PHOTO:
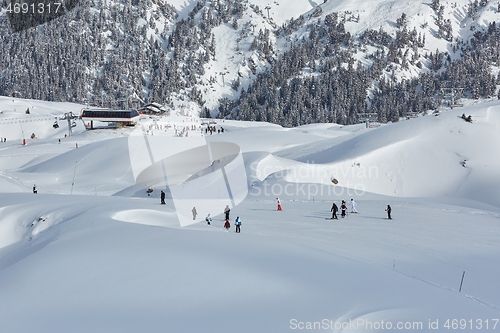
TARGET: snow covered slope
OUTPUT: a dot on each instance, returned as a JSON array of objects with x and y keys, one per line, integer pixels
[
  {"x": 92, "y": 252},
  {"x": 436, "y": 155}
]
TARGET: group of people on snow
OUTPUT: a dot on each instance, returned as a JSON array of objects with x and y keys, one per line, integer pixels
[
  {"x": 212, "y": 129},
  {"x": 227, "y": 224},
  {"x": 208, "y": 218},
  {"x": 343, "y": 208},
  {"x": 237, "y": 222}
]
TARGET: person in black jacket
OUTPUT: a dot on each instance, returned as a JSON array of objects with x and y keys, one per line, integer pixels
[
  {"x": 388, "y": 210},
  {"x": 334, "y": 211},
  {"x": 162, "y": 197}
]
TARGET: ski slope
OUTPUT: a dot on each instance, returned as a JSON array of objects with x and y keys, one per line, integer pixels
[{"x": 93, "y": 252}]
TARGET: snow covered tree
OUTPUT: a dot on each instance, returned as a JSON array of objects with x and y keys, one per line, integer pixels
[
  {"x": 435, "y": 5},
  {"x": 402, "y": 21}
]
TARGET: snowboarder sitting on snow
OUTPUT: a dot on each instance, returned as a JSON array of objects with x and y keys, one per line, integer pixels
[
  {"x": 227, "y": 225},
  {"x": 162, "y": 197},
  {"x": 467, "y": 119},
  {"x": 40, "y": 219},
  {"x": 208, "y": 219},
  {"x": 388, "y": 210},
  {"x": 334, "y": 211},
  {"x": 237, "y": 223},
  {"x": 343, "y": 208}
]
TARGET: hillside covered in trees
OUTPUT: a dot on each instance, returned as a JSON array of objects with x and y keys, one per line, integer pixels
[{"x": 242, "y": 60}]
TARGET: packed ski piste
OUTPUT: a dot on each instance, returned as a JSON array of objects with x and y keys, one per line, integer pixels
[{"x": 405, "y": 239}]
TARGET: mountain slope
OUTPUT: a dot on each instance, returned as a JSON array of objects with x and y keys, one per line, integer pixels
[{"x": 207, "y": 56}]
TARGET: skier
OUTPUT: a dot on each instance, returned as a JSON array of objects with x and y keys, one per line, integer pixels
[
  {"x": 194, "y": 213},
  {"x": 227, "y": 225},
  {"x": 334, "y": 211},
  {"x": 226, "y": 211},
  {"x": 35, "y": 191},
  {"x": 237, "y": 223},
  {"x": 208, "y": 219},
  {"x": 162, "y": 197},
  {"x": 278, "y": 201},
  {"x": 343, "y": 207},
  {"x": 388, "y": 210},
  {"x": 353, "y": 206}
]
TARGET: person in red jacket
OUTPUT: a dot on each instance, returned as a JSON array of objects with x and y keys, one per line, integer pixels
[
  {"x": 279, "y": 203},
  {"x": 343, "y": 208}
]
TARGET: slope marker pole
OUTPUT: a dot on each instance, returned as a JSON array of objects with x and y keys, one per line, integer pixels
[{"x": 461, "y": 282}]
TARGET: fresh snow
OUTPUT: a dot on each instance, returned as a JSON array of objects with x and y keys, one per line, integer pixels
[{"x": 91, "y": 252}]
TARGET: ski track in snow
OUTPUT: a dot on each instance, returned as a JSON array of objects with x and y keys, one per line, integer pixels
[{"x": 447, "y": 288}]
